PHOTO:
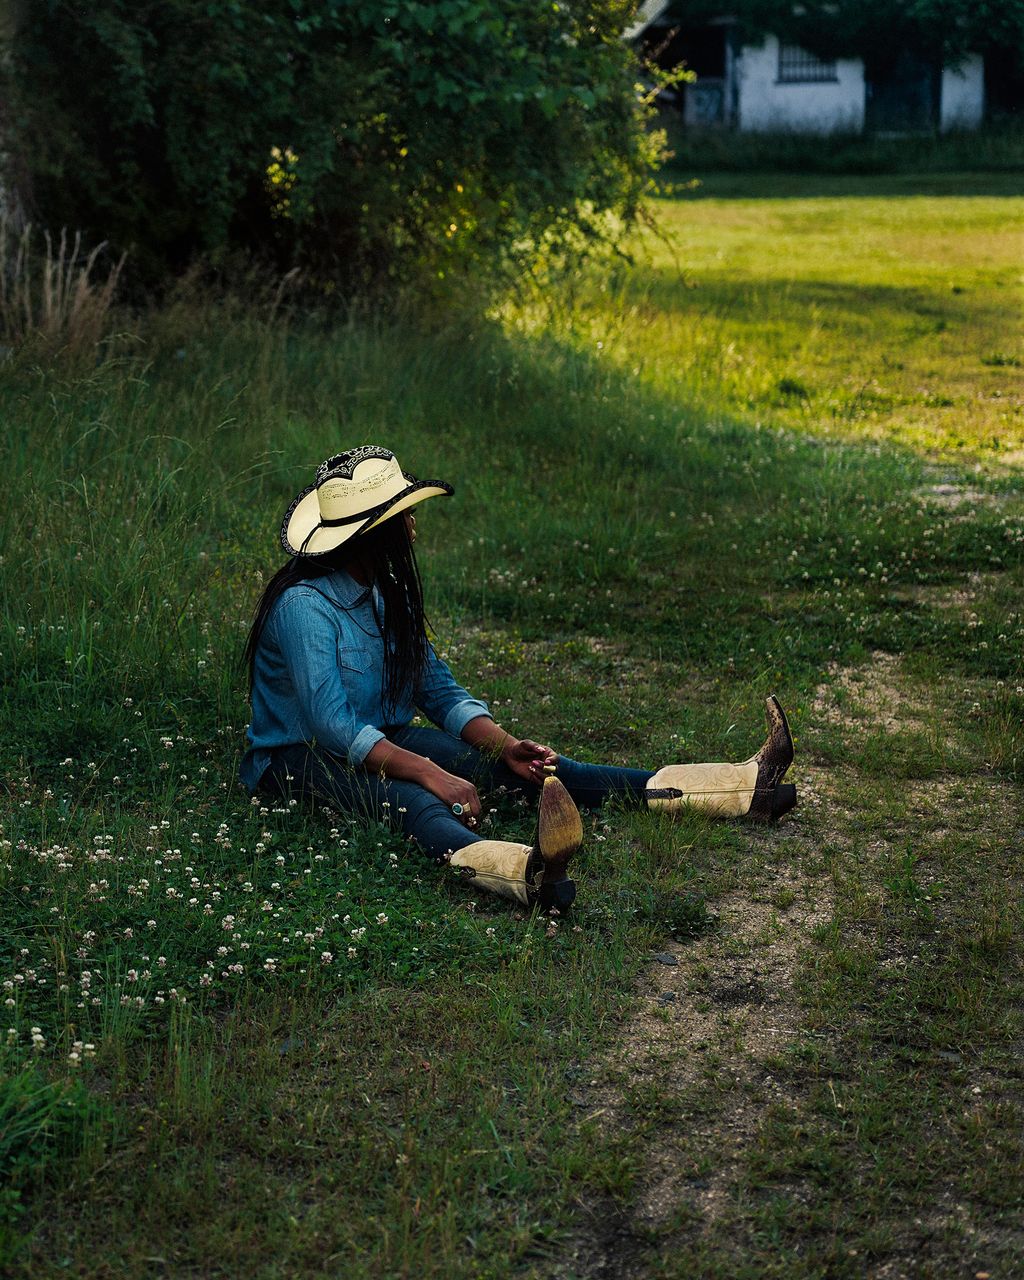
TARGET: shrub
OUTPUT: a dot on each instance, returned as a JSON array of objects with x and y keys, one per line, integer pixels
[
  {"x": 401, "y": 139},
  {"x": 995, "y": 149}
]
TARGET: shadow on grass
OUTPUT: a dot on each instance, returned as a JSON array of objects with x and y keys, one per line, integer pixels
[
  {"x": 773, "y": 185},
  {"x": 834, "y": 304},
  {"x": 588, "y": 503}
]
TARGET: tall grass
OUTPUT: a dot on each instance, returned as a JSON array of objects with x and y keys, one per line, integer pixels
[
  {"x": 53, "y": 296},
  {"x": 42, "y": 1122}
]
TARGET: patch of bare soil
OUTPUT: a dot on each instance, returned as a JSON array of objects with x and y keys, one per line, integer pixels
[
  {"x": 959, "y": 598},
  {"x": 725, "y": 1009},
  {"x": 714, "y": 1011},
  {"x": 953, "y": 497},
  {"x": 874, "y": 693},
  {"x": 693, "y": 1068}
]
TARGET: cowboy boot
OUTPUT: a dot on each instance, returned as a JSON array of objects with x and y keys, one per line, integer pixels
[
  {"x": 753, "y": 789},
  {"x": 530, "y": 875},
  {"x": 507, "y": 869}
]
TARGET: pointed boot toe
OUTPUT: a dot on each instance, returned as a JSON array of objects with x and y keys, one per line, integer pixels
[
  {"x": 559, "y": 835},
  {"x": 776, "y": 755},
  {"x": 559, "y": 826},
  {"x": 772, "y": 798}
]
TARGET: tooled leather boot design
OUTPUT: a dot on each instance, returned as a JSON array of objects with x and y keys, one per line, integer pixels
[{"x": 753, "y": 789}]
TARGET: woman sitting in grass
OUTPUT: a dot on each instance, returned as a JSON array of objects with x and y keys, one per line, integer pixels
[{"x": 339, "y": 661}]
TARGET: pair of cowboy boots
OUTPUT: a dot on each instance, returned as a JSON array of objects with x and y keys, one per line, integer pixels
[{"x": 536, "y": 875}]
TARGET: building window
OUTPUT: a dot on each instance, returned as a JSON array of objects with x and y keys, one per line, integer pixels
[{"x": 797, "y": 66}]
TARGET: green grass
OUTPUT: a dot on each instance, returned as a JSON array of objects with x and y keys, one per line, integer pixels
[
  {"x": 856, "y": 308},
  {"x": 996, "y": 149},
  {"x": 728, "y": 471}
]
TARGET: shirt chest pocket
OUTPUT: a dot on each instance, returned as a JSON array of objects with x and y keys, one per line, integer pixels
[{"x": 353, "y": 660}]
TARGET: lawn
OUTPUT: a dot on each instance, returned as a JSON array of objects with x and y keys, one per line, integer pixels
[
  {"x": 882, "y": 307},
  {"x": 778, "y": 453}
]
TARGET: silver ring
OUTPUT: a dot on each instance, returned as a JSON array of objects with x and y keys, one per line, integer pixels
[{"x": 459, "y": 809}]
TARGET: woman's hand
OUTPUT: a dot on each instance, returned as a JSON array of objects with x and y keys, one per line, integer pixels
[
  {"x": 528, "y": 759},
  {"x": 451, "y": 790}
]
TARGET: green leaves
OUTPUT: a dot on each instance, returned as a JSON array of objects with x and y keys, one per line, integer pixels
[
  {"x": 389, "y": 109},
  {"x": 872, "y": 29}
]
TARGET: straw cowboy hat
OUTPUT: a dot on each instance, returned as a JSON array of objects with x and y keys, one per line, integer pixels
[{"x": 354, "y": 491}]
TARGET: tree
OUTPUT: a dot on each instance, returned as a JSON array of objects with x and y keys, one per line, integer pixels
[
  {"x": 939, "y": 30},
  {"x": 361, "y": 141}
]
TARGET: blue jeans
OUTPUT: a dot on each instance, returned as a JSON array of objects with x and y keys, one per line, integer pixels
[{"x": 301, "y": 772}]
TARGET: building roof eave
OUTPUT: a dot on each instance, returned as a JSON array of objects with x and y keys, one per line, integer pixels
[{"x": 650, "y": 11}]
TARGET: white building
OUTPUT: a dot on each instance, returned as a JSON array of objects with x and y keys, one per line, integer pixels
[
  {"x": 962, "y": 96},
  {"x": 781, "y": 87}
]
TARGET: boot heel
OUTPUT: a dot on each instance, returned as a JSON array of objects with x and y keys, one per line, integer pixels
[
  {"x": 558, "y": 893},
  {"x": 783, "y": 799}
]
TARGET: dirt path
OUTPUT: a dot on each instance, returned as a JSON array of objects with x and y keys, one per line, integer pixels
[
  {"x": 695, "y": 1070},
  {"x": 717, "y": 1009}
]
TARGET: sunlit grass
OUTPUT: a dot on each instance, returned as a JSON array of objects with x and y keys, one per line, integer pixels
[{"x": 883, "y": 310}]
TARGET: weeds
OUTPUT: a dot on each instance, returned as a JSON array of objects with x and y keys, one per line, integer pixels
[
  {"x": 41, "y": 1121},
  {"x": 51, "y": 300}
]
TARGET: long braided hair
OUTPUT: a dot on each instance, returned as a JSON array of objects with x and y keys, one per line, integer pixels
[{"x": 385, "y": 556}]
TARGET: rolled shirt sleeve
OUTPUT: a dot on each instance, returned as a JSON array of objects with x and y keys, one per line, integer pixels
[
  {"x": 362, "y": 744},
  {"x": 308, "y": 638},
  {"x": 445, "y": 701}
]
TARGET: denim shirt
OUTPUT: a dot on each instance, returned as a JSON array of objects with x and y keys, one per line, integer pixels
[{"x": 318, "y": 675}]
